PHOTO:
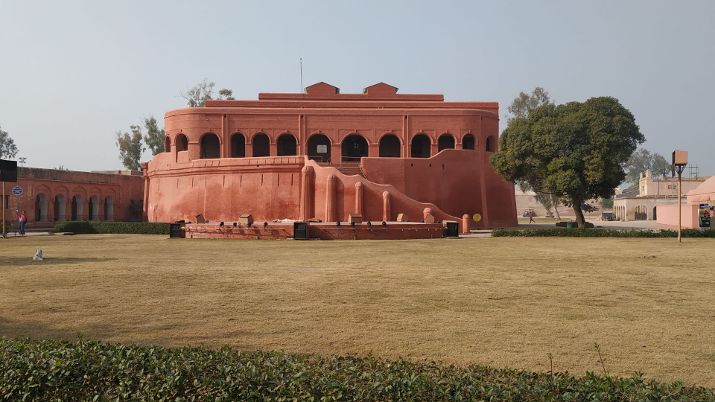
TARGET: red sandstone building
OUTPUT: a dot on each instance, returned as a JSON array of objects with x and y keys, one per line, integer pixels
[
  {"x": 324, "y": 155},
  {"x": 50, "y": 196}
]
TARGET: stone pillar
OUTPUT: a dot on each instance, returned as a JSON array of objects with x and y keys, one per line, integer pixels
[
  {"x": 466, "y": 221},
  {"x": 307, "y": 192},
  {"x": 386, "y": 212},
  {"x": 194, "y": 150},
  {"x": 330, "y": 199},
  {"x": 358, "y": 198}
]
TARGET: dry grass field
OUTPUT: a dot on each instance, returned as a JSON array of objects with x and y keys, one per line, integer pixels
[{"x": 506, "y": 302}]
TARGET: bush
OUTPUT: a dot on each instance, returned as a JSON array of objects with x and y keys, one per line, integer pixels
[
  {"x": 581, "y": 232},
  {"x": 84, "y": 227},
  {"x": 61, "y": 370}
]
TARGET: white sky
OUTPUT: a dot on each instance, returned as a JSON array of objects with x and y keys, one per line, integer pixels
[{"x": 73, "y": 73}]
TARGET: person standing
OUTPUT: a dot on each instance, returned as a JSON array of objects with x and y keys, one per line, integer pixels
[{"x": 22, "y": 221}]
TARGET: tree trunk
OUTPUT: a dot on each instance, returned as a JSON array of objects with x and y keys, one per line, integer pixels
[
  {"x": 580, "y": 221},
  {"x": 555, "y": 202}
]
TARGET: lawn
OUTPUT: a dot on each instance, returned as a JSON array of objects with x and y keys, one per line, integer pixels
[{"x": 504, "y": 302}]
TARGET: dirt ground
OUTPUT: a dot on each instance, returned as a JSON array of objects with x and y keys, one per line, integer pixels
[{"x": 505, "y": 302}]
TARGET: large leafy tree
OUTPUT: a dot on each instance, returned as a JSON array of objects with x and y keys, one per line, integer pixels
[
  {"x": 643, "y": 160},
  {"x": 575, "y": 150},
  {"x": 520, "y": 107},
  {"x": 154, "y": 137},
  {"x": 130, "y": 147},
  {"x": 8, "y": 149}
]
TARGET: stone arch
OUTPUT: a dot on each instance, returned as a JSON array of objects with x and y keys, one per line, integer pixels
[
  {"x": 490, "y": 144},
  {"x": 60, "y": 207},
  {"x": 445, "y": 141},
  {"x": 210, "y": 146},
  {"x": 468, "y": 142},
  {"x": 109, "y": 208},
  {"x": 420, "y": 146},
  {"x": 238, "y": 145},
  {"x": 181, "y": 143},
  {"x": 390, "y": 146},
  {"x": 77, "y": 207},
  {"x": 93, "y": 208},
  {"x": 167, "y": 144},
  {"x": 261, "y": 145},
  {"x": 287, "y": 145},
  {"x": 319, "y": 147},
  {"x": 353, "y": 147},
  {"x": 41, "y": 207}
]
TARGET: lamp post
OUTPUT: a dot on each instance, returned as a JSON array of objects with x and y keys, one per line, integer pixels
[{"x": 680, "y": 159}]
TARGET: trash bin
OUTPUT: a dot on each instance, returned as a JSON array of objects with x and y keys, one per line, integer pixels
[
  {"x": 176, "y": 230},
  {"x": 300, "y": 231}
]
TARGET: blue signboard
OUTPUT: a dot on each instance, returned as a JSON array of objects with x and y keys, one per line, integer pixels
[{"x": 17, "y": 190}]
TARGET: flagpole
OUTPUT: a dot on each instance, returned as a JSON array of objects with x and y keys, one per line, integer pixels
[{"x": 301, "y": 75}]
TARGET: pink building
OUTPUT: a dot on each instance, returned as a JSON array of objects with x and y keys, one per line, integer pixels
[
  {"x": 703, "y": 195},
  {"x": 324, "y": 155}
]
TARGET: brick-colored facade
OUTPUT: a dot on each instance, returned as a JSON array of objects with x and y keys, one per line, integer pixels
[
  {"x": 325, "y": 155},
  {"x": 51, "y": 195}
]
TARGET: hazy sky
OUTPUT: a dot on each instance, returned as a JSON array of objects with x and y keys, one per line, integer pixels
[{"x": 72, "y": 73}]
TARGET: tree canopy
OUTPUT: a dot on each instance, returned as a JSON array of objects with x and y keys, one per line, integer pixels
[
  {"x": 130, "y": 147},
  {"x": 154, "y": 137},
  {"x": 575, "y": 151},
  {"x": 524, "y": 103},
  {"x": 203, "y": 91},
  {"x": 643, "y": 160},
  {"x": 8, "y": 149}
]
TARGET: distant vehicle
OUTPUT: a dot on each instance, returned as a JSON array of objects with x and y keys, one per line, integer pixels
[{"x": 608, "y": 216}]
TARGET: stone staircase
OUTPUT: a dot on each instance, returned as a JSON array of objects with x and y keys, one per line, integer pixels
[{"x": 350, "y": 169}]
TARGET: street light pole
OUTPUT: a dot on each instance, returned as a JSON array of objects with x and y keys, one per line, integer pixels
[{"x": 680, "y": 159}]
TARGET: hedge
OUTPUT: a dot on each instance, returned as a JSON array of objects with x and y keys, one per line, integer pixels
[
  {"x": 86, "y": 370},
  {"x": 598, "y": 232},
  {"x": 84, "y": 227}
]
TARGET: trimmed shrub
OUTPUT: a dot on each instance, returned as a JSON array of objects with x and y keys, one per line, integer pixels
[
  {"x": 61, "y": 370},
  {"x": 85, "y": 227},
  {"x": 598, "y": 232}
]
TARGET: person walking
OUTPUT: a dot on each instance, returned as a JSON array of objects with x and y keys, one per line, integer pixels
[
  {"x": 21, "y": 221},
  {"x": 532, "y": 214}
]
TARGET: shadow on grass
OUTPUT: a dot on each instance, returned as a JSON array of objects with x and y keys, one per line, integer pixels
[{"x": 27, "y": 261}]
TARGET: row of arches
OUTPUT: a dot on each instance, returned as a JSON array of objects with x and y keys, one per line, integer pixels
[
  {"x": 95, "y": 211},
  {"x": 353, "y": 147}
]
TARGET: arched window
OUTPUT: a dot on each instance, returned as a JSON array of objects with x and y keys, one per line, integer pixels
[
  {"x": 261, "y": 145},
  {"x": 41, "y": 207},
  {"x": 93, "y": 208},
  {"x": 287, "y": 145},
  {"x": 210, "y": 146},
  {"x": 445, "y": 141},
  {"x": 490, "y": 144},
  {"x": 60, "y": 205},
  {"x": 108, "y": 208},
  {"x": 468, "y": 142},
  {"x": 182, "y": 143},
  {"x": 167, "y": 144},
  {"x": 77, "y": 207},
  {"x": 655, "y": 215},
  {"x": 390, "y": 146},
  {"x": 238, "y": 145},
  {"x": 319, "y": 148},
  {"x": 353, "y": 148},
  {"x": 420, "y": 146}
]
